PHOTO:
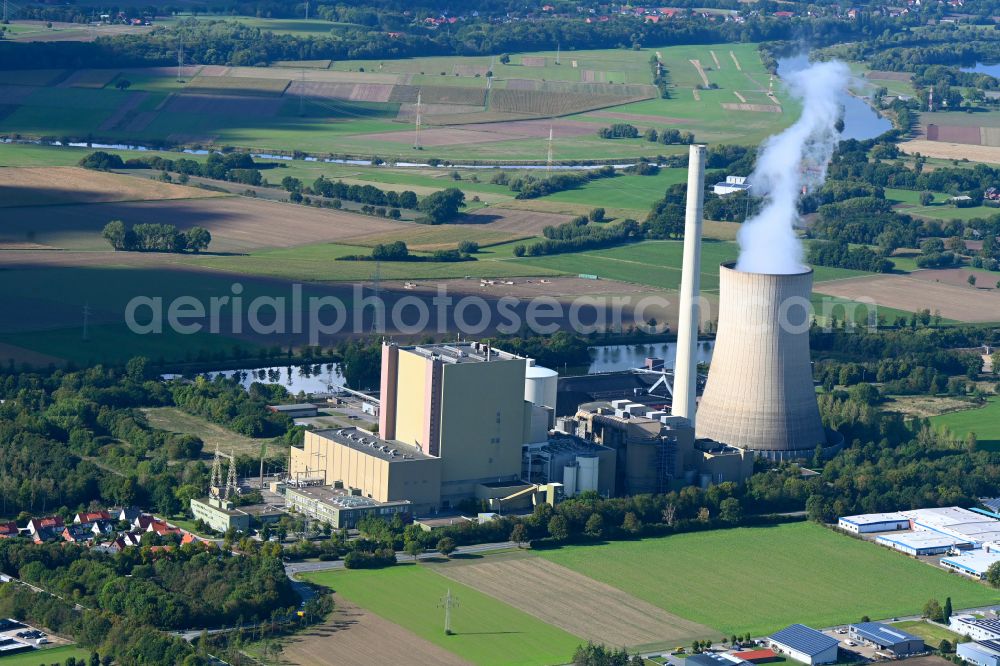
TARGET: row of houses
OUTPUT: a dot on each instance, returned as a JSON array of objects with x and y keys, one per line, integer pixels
[{"x": 109, "y": 531}]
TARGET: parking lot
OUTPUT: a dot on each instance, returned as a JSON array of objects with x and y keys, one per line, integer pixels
[{"x": 853, "y": 647}]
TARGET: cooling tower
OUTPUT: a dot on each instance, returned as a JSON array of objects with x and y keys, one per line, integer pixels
[{"x": 760, "y": 393}]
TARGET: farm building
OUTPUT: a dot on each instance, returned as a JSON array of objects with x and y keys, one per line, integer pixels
[
  {"x": 730, "y": 185},
  {"x": 974, "y": 563},
  {"x": 976, "y": 628},
  {"x": 884, "y": 637},
  {"x": 983, "y": 653},
  {"x": 874, "y": 522},
  {"x": 921, "y": 542},
  {"x": 804, "y": 644},
  {"x": 301, "y": 411}
]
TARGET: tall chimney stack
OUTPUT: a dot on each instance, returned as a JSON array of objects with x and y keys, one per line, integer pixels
[{"x": 689, "y": 315}]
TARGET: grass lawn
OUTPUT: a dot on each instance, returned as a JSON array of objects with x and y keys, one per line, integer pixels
[
  {"x": 984, "y": 421},
  {"x": 52, "y": 655},
  {"x": 635, "y": 193},
  {"x": 487, "y": 631},
  {"x": 761, "y": 579},
  {"x": 931, "y": 633},
  {"x": 214, "y": 436}
]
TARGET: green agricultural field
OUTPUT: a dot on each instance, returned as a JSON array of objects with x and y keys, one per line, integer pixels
[
  {"x": 658, "y": 264},
  {"x": 115, "y": 343},
  {"x": 50, "y": 655},
  {"x": 318, "y": 262},
  {"x": 624, "y": 192},
  {"x": 325, "y": 125},
  {"x": 487, "y": 631},
  {"x": 761, "y": 579},
  {"x": 984, "y": 421}
]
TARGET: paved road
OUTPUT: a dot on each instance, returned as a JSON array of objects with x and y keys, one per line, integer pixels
[{"x": 293, "y": 568}]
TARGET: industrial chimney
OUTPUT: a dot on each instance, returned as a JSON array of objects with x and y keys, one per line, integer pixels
[
  {"x": 760, "y": 393},
  {"x": 689, "y": 313}
]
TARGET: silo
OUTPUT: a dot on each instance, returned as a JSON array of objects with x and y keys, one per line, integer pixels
[
  {"x": 569, "y": 480},
  {"x": 587, "y": 473},
  {"x": 760, "y": 395},
  {"x": 541, "y": 386}
]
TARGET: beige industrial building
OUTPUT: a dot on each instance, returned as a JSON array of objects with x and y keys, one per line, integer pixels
[
  {"x": 453, "y": 421},
  {"x": 384, "y": 471},
  {"x": 340, "y": 508},
  {"x": 657, "y": 452}
]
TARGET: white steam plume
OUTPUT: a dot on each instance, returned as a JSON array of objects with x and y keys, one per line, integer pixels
[{"x": 792, "y": 161}]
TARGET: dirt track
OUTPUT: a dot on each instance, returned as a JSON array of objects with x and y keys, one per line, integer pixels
[
  {"x": 575, "y": 603},
  {"x": 354, "y": 637}
]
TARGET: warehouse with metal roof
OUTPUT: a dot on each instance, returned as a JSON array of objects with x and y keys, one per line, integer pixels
[
  {"x": 804, "y": 644},
  {"x": 923, "y": 542},
  {"x": 975, "y": 563},
  {"x": 983, "y": 653},
  {"x": 885, "y": 637},
  {"x": 976, "y": 628}
]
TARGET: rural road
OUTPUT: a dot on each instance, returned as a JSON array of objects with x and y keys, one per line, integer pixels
[{"x": 293, "y": 568}]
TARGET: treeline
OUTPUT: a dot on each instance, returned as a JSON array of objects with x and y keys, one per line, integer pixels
[
  {"x": 154, "y": 237},
  {"x": 529, "y": 187},
  {"x": 842, "y": 255},
  {"x": 235, "y": 167},
  {"x": 224, "y": 401},
  {"x": 398, "y": 251},
  {"x": 233, "y": 43},
  {"x": 578, "y": 235},
  {"x": 195, "y": 585},
  {"x": 628, "y": 131},
  {"x": 366, "y": 194}
]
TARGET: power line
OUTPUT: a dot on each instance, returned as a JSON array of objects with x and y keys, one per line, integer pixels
[{"x": 416, "y": 125}]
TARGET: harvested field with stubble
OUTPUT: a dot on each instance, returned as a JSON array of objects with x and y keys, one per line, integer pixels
[
  {"x": 523, "y": 222},
  {"x": 595, "y": 611},
  {"x": 536, "y": 102},
  {"x": 47, "y": 186},
  {"x": 756, "y": 108},
  {"x": 911, "y": 294},
  {"x": 353, "y": 636},
  {"x": 237, "y": 224},
  {"x": 238, "y": 85},
  {"x": 952, "y": 151}
]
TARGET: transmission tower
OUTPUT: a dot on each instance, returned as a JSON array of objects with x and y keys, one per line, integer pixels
[
  {"x": 376, "y": 287},
  {"x": 448, "y": 602},
  {"x": 307, "y": 10},
  {"x": 558, "y": 52},
  {"x": 86, "y": 321},
  {"x": 5, "y": 11},
  {"x": 548, "y": 162},
  {"x": 302, "y": 90},
  {"x": 232, "y": 486},
  {"x": 215, "y": 482},
  {"x": 416, "y": 126},
  {"x": 180, "y": 58}
]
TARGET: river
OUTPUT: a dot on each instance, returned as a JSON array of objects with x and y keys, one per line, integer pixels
[
  {"x": 327, "y": 377},
  {"x": 861, "y": 121},
  {"x": 982, "y": 68}
]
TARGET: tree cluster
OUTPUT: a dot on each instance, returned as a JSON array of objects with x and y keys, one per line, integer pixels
[{"x": 153, "y": 237}]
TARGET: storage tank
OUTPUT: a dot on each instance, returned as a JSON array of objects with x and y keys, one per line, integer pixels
[
  {"x": 760, "y": 394},
  {"x": 541, "y": 386},
  {"x": 586, "y": 476},
  {"x": 569, "y": 480}
]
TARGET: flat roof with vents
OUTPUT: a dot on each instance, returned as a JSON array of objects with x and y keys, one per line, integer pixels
[
  {"x": 462, "y": 352},
  {"x": 369, "y": 444}
]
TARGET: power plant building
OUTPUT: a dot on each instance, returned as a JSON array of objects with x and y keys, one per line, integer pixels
[
  {"x": 454, "y": 420},
  {"x": 760, "y": 394}
]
